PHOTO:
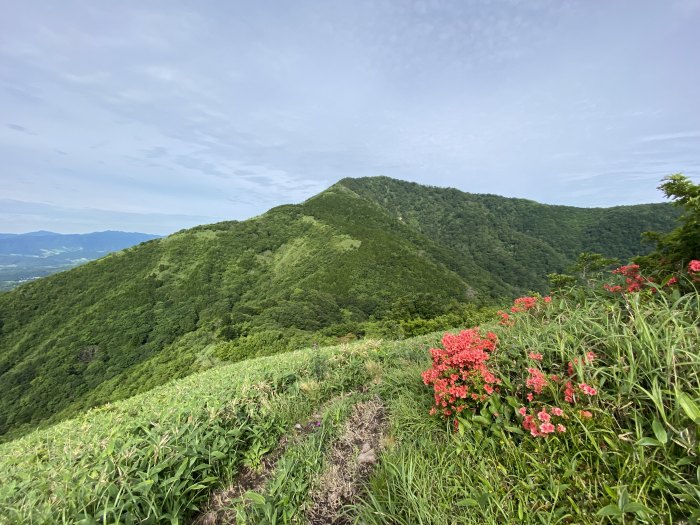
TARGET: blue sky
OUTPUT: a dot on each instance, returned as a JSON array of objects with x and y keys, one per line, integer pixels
[{"x": 154, "y": 116}]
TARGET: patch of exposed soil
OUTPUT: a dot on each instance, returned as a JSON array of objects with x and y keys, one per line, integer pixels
[{"x": 350, "y": 461}]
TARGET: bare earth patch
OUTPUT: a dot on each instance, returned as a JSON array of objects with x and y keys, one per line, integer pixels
[{"x": 349, "y": 463}]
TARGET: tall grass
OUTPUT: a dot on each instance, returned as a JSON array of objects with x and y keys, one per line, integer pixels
[
  {"x": 155, "y": 458},
  {"x": 636, "y": 460}
]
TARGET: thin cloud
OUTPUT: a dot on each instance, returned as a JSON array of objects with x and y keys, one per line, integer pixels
[
  {"x": 162, "y": 108},
  {"x": 682, "y": 135}
]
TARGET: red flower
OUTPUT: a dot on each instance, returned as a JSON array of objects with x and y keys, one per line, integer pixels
[
  {"x": 588, "y": 390},
  {"x": 613, "y": 289},
  {"x": 569, "y": 393},
  {"x": 694, "y": 266},
  {"x": 505, "y": 319},
  {"x": 543, "y": 416},
  {"x": 460, "y": 376},
  {"x": 535, "y": 356},
  {"x": 536, "y": 380},
  {"x": 546, "y": 428}
]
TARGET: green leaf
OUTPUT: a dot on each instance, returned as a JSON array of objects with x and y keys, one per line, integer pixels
[
  {"x": 610, "y": 510},
  {"x": 513, "y": 402},
  {"x": 689, "y": 407},
  {"x": 637, "y": 508},
  {"x": 659, "y": 431},
  {"x": 481, "y": 420},
  {"x": 467, "y": 502},
  {"x": 257, "y": 499},
  {"x": 688, "y": 460},
  {"x": 484, "y": 499},
  {"x": 87, "y": 520},
  {"x": 648, "y": 442},
  {"x": 143, "y": 486}
]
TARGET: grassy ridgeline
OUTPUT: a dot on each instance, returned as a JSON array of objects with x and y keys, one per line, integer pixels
[{"x": 157, "y": 456}]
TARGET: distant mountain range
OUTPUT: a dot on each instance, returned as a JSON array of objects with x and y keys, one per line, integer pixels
[
  {"x": 28, "y": 256},
  {"x": 363, "y": 255}
]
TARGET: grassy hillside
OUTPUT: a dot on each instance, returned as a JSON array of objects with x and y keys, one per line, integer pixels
[
  {"x": 259, "y": 441},
  {"x": 341, "y": 265}
]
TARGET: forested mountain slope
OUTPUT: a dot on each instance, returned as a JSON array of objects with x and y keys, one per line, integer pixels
[
  {"x": 364, "y": 251},
  {"x": 517, "y": 240}
]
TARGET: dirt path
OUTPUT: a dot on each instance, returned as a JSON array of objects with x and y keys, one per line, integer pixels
[
  {"x": 349, "y": 462},
  {"x": 219, "y": 510}
]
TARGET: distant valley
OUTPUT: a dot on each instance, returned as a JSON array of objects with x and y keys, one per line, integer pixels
[{"x": 28, "y": 256}]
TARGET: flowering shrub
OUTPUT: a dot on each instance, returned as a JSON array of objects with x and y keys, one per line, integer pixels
[
  {"x": 460, "y": 376},
  {"x": 543, "y": 416},
  {"x": 506, "y": 319},
  {"x": 634, "y": 281},
  {"x": 521, "y": 304}
]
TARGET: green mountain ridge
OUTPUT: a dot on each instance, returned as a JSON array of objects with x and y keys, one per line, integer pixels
[{"x": 361, "y": 252}]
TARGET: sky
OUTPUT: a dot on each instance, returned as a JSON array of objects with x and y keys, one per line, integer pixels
[{"x": 153, "y": 116}]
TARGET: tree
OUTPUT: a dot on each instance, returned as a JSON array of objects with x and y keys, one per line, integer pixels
[
  {"x": 586, "y": 270},
  {"x": 675, "y": 249}
]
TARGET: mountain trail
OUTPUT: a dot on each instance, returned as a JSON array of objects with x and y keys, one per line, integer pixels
[
  {"x": 349, "y": 463},
  {"x": 221, "y": 507}
]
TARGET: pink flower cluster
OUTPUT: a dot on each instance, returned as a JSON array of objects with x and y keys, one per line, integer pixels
[
  {"x": 542, "y": 388},
  {"x": 521, "y": 304},
  {"x": 460, "y": 376},
  {"x": 634, "y": 281},
  {"x": 505, "y": 319},
  {"x": 542, "y": 424}
]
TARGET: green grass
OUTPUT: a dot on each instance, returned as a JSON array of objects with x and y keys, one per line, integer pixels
[
  {"x": 637, "y": 459},
  {"x": 157, "y": 457}
]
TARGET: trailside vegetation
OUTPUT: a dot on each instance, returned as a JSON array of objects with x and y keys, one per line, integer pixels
[
  {"x": 587, "y": 411},
  {"x": 367, "y": 258}
]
